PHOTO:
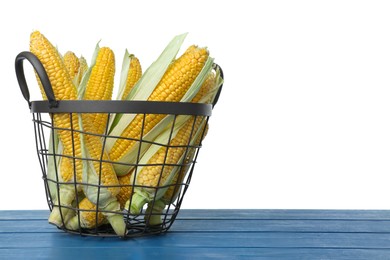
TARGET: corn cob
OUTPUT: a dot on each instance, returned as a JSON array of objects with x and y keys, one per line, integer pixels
[
  {"x": 154, "y": 210},
  {"x": 82, "y": 69},
  {"x": 72, "y": 64},
  {"x": 99, "y": 87},
  {"x": 161, "y": 165},
  {"x": 172, "y": 87},
  {"x": 63, "y": 89},
  {"x": 133, "y": 75}
]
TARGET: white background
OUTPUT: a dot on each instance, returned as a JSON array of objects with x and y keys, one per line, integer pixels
[{"x": 304, "y": 117}]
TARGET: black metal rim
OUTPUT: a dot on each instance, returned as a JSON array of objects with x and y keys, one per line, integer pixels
[{"x": 119, "y": 106}]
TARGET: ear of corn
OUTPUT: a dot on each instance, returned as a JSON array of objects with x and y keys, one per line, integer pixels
[
  {"x": 82, "y": 70},
  {"x": 174, "y": 84},
  {"x": 86, "y": 74},
  {"x": 146, "y": 84},
  {"x": 131, "y": 73},
  {"x": 98, "y": 171},
  {"x": 100, "y": 85},
  {"x": 135, "y": 73},
  {"x": 161, "y": 162},
  {"x": 63, "y": 89},
  {"x": 205, "y": 95},
  {"x": 72, "y": 64}
]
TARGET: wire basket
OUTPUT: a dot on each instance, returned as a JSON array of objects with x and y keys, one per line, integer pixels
[{"x": 165, "y": 192}]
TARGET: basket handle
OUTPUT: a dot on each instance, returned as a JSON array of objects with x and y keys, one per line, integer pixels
[
  {"x": 217, "y": 67},
  {"x": 40, "y": 70}
]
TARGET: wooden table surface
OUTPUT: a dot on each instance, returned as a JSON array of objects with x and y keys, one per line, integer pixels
[{"x": 208, "y": 234}]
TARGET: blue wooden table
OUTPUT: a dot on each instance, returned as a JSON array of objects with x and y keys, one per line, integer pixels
[{"x": 202, "y": 234}]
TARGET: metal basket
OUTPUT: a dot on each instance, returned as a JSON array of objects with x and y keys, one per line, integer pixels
[{"x": 136, "y": 224}]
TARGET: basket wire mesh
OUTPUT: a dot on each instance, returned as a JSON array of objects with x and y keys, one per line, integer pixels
[{"x": 137, "y": 224}]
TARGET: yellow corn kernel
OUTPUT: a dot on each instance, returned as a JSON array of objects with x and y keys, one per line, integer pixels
[
  {"x": 133, "y": 75},
  {"x": 87, "y": 215},
  {"x": 100, "y": 85},
  {"x": 174, "y": 84},
  {"x": 125, "y": 190},
  {"x": 101, "y": 81}
]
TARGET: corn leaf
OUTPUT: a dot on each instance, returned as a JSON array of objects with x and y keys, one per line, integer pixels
[
  {"x": 124, "y": 72},
  {"x": 65, "y": 192},
  {"x": 213, "y": 92},
  {"x": 55, "y": 146}
]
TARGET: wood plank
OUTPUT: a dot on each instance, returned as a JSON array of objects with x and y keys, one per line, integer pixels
[
  {"x": 283, "y": 214},
  {"x": 293, "y": 225},
  {"x": 194, "y": 253},
  {"x": 211, "y": 225},
  {"x": 204, "y": 239},
  {"x": 23, "y": 214},
  {"x": 209, "y": 234},
  {"x": 237, "y": 214}
]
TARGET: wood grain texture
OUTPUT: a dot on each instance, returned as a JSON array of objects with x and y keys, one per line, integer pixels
[{"x": 210, "y": 234}]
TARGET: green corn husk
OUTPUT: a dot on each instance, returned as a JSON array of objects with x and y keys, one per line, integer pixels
[
  {"x": 63, "y": 194},
  {"x": 154, "y": 212},
  {"x": 124, "y": 72}
]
